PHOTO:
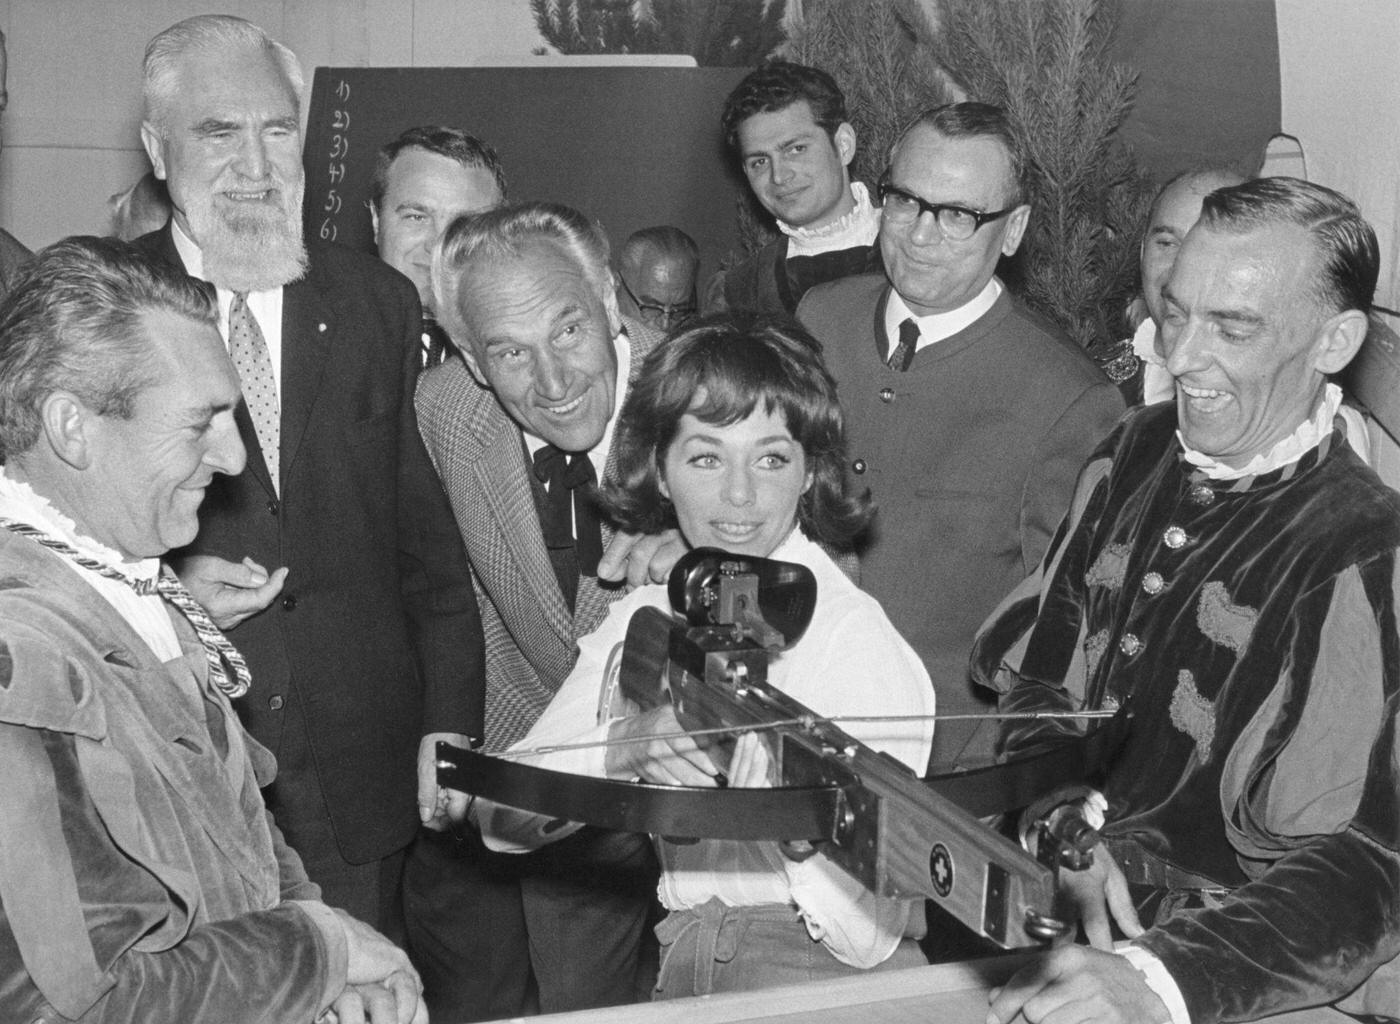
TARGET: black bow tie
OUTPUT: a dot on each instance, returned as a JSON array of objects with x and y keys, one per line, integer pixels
[{"x": 567, "y": 477}]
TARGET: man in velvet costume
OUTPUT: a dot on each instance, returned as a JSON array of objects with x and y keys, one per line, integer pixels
[
  {"x": 141, "y": 876},
  {"x": 517, "y": 428},
  {"x": 1228, "y": 574},
  {"x": 787, "y": 124},
  {"x": 970, "y": 435}
]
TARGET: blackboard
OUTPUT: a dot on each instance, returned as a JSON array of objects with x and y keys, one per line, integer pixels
[{"x": 629, "y": 146}]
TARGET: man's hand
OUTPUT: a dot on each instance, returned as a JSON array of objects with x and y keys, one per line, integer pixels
[
  {"x": 381, "y": 985},
  {"x": 229, "y": 591},
  {"x": 641, "y": 558},
  {"x": 1097, "y": 892},
  {"x": 676, "y": 760},
  {"x": 374, "y": 1004},
  {"x": 438, "y": 807},
  {"x": 1075, "y": 983}
]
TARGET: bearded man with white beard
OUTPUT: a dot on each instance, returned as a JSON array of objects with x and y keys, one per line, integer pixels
[{"x": 332, "y": 560}]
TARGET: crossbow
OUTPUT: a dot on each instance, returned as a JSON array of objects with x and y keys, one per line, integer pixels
[{"x": 899, "y": 835}]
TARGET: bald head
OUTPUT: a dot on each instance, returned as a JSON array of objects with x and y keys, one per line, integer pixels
[
  {"x": 657, "y": 269},
  {"x": 1176, "y": 208}
]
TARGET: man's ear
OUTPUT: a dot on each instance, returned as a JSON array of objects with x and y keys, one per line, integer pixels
[
  {"x": 1016, "y": 222},
  {"x": 844, "y": 139},
  {"x": 152, "y": 140},
  {"x": 1339, "y": 339},
  {"x": 67, "y": 423},
  {"x": 609, "y": 297},
  {"x": 469, "y": 357}
]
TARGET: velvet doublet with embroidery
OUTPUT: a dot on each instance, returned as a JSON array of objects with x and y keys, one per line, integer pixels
[{"x": 1250, "y": 625}]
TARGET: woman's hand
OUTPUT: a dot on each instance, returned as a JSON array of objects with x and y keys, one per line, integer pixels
[
  {"x": 751, "y": 766},
  {"x": 658, "y": 751}
]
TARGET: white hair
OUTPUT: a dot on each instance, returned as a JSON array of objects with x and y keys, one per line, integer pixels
[{"x": 166, "y": 52}]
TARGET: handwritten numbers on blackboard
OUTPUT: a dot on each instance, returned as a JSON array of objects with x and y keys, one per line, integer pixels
[{"x": 339, "y": 150}]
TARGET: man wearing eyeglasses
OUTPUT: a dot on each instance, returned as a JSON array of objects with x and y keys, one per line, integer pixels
[
  {"x": 969, "y": 416},
  {"x": 656, "y": 271}
]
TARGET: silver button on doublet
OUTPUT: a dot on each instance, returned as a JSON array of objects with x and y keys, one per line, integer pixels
[
  {"x": 1153, "y": 583},
  {"x": 858, "y": 466},
  {"x": 1200, "y": 494},
  {"x": 1174, "y": 537},
  {"x": 1130, "y": 644},
  {"x": 887, "y": 394}
]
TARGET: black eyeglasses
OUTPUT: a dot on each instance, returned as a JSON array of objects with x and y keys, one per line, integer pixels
[
  {"x": 957, "y": 223},
  {"x": 659, "y": 316}
]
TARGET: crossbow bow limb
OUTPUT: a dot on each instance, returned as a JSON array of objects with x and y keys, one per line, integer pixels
[{"x": 899, "y": 835}]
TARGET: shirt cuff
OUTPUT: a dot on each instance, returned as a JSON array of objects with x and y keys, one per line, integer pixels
[
  {"x": 1159, "y": 980},
  {"x": 337, "y": 949}
]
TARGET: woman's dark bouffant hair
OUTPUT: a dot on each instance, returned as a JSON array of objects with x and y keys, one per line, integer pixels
[{"x": 720, "y": 368}]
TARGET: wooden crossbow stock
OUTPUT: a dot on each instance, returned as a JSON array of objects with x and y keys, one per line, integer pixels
[{"x": 899, "y": 835}]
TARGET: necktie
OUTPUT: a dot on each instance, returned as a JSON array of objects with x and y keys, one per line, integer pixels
[
  {"x": 253, "y": 362},
  {"x": 220, "y": 654},
  {"x": 903, "y": 353},
  {"x": 567, "y": 478}
]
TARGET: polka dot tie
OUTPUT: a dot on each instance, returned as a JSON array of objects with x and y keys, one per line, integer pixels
[{"x": 251, "y": 358}]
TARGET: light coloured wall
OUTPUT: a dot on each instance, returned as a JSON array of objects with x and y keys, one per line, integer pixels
[
  {"x": 1339, "y": 65},
  {"x": 70, "y": 135}
]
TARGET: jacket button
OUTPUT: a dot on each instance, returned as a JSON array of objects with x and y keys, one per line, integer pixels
[
  {"x": 887, "y": 395},
  {"x": 272, "y": 507},
  {"x": 1131, "y": 645},
  {"x": 289, "y": 603},
  {"x": 276, "y": 702},
  {"x": 1153, "y": 583},
  {"x": 858, "y": 466}
]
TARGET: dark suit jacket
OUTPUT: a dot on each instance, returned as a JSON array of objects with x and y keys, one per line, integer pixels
[
  {"x": 530, "y": 632},
  {"x": 377, "y": 633}
]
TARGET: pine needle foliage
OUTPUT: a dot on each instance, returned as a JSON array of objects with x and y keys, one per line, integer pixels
[
  {"x": 881, "y": 55},
  {"x": 1046, "y": 63},
  {"x": 717, "y": 33}
]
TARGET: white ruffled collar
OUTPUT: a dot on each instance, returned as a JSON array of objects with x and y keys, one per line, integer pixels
[
  {"x": 1287, "y": 451},
  {"x": 858, "y": 226},
  {"x": 21, "y": 502}
]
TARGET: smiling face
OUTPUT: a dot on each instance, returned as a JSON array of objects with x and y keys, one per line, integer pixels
[
  {"x": 423, "y": 193},
  {"x": 1245, "y": 338},
  {"x": 1173, "y": 214},
  {"x": 798, "y": 171},
  {"x": 146, "y": 475},
  {"x": 540, "y": 334},
  {"x": 228, "y": 146},
  {"x": 933, "y": 274},
  {"x": 735, "y": 487}
]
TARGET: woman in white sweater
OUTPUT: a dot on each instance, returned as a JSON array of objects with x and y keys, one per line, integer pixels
[{"x": 733, "y": 434}]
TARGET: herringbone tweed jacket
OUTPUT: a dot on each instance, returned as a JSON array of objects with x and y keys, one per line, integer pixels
[{"x": 530, "y": 633}]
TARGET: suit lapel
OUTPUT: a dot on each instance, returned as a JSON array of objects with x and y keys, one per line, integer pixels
[
  {"x": 308, "y": 332},
  {"x": 501, "y": 477}
]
